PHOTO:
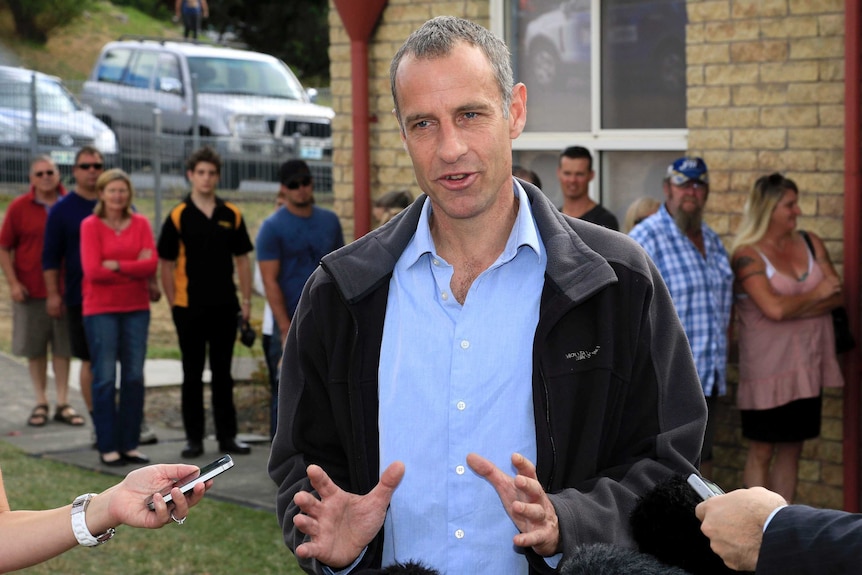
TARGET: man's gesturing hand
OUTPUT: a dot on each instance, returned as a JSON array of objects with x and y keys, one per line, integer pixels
[
  {"x": 525, "y": 501},
  {"x": 342, "y": 524}
]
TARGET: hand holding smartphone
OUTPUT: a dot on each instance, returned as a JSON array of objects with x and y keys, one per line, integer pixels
[
  {"x": 188, "y": 482},
  {"x": 704, "y": 487}
]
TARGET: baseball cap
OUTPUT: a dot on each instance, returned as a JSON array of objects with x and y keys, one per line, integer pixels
[
  {"x": 291, "y": 170},
  {"x": 687, "y": 168}
]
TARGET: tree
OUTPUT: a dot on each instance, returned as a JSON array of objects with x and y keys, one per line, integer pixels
[
  {"x": 34, "y": 19},
  {"x": 296, "y": 32}
]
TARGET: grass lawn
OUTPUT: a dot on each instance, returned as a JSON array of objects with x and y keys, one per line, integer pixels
[{"x": 218, "y": 539}]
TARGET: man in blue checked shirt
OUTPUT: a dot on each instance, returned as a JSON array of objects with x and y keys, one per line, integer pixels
[{"x": 694, "y": 265}]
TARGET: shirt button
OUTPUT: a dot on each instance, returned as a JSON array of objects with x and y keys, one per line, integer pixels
[
  {"x": 435, "y": 261},
  {"x": 465, "y": 344},
  {"x": 444, "y": 295},
  {"x": 460, "y": 470},
  {"x": 461, "y": 406},
  {"x": 459, "y": 534}
]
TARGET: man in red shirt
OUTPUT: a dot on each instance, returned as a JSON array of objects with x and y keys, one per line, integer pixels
[{"x": 21, "y": 240}]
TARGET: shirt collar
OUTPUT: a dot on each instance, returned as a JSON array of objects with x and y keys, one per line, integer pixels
[{"x": 524, "y": 232}]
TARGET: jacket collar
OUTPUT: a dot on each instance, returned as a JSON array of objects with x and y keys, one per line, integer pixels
[{"x": 575, "y": 268}]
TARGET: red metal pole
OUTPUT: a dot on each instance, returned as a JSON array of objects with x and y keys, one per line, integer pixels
[
  {"x": 361, "y": 144},
  {"x": 852, "y": 245}
]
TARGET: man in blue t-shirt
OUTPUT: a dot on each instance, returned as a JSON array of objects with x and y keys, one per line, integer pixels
[{"x": 290, "y": 244}]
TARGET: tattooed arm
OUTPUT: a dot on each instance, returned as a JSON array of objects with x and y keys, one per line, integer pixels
[{"x": 750, "y": 272}]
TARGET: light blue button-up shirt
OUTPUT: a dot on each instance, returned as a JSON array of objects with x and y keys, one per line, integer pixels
[
  {"x": 454, "y": 380},
  {"x": 701, "y": 288}
]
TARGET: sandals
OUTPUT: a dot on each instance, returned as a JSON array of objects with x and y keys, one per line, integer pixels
[
  {"x": 39, "y": 416},
  {"x": 66, "y": 414}
]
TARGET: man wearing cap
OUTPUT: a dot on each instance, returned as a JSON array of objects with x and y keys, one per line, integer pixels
[
  {"x": 290, "y": 244},
  {"x": 694, "y": 265}
]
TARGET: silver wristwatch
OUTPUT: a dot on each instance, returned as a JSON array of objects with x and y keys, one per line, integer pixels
[{"x": 79, "y": 523}]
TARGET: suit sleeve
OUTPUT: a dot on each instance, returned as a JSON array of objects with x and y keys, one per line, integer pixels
[{"x": 804, "y": 540}]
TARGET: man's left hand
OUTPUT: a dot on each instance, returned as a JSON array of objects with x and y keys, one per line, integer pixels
[{"x": 525, "y": 501}]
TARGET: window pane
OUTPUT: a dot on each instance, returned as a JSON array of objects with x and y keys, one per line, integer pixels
[
  {"x": 643, "y": 64},
  {"x": 551, "y": 55},
  {"x": 544, "y": 164},
  {"x": 627, "y": 176}
]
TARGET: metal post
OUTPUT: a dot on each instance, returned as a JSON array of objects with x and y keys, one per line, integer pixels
[
  {"x": 157, "y": 167},
  {"x": 34, "y": 126},
  {"x": 196, "y": 128}
]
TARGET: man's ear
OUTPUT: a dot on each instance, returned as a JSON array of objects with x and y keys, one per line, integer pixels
[{"x": 518, "y": 110}]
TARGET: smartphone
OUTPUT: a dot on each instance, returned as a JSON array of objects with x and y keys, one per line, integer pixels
[
  {"x": 188, "y": 482},
  {"x": 704, "y": 487}
]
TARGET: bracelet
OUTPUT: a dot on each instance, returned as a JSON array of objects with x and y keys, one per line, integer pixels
[{"x": 79, "y": 523}]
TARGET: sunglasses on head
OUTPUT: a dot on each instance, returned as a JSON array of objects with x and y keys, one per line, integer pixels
[
  {"x": 45, "y": 173},
  {"x": 295, "y": 184},
  {"x": 93, "y": 166}
]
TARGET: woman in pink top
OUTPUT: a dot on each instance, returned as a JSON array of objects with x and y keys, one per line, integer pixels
[
  {"x": 118, "y": 257},
  {"x": 786, "y": 341}
]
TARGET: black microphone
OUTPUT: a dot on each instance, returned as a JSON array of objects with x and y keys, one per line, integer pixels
[{"x": 664, "y": 525}]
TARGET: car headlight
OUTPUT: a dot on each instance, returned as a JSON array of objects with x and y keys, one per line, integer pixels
[
  {"x": 106, "y": 142},
  {"x": 249, "y": 126},
  {"x": 11, "y": 132}
]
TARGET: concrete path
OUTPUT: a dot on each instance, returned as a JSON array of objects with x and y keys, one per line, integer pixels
[{"x": 246, "y": 484}]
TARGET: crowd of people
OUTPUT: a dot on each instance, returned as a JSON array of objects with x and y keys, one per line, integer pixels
[{"x": 484, "y": 379}]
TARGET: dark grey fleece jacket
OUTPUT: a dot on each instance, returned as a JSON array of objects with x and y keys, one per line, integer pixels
[{"x": 617, "y": 401}]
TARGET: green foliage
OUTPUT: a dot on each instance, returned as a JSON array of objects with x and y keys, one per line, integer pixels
[
  {"x": 34, "y": 19},
  {"x": 296, "y": 32},
  {"x": 156, "y": 8}
]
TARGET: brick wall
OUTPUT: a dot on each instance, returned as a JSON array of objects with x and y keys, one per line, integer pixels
[{"x": 766, "y": 93}]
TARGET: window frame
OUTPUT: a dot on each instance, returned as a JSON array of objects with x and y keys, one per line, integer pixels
[{"x": 597, "y": 139}]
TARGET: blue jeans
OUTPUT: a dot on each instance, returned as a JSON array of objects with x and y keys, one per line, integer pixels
[{"x": 114, "y": 337}]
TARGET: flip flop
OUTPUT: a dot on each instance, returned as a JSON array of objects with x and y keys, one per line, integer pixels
[
  {"x": 66, "y": 414},
  {"x": 39, "y": 416}
]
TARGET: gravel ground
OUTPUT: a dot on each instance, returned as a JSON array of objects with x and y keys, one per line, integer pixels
[{"x": 251, "y": 400}]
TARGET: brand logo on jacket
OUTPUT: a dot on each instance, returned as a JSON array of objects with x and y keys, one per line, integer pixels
[{"x": 582, "y": 355}]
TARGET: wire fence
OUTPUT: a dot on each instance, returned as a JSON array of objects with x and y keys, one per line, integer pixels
[{"x": 151, "y": 134}]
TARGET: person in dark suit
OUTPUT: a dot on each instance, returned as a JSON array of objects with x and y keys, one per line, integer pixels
[{"x": 755, "y": 530}]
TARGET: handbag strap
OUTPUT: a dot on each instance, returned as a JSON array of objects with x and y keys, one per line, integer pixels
[{"x": 807, "y": 239}]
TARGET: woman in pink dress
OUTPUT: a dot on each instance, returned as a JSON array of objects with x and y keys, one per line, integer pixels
[
  {"x": 118, "y": 256},
  {"x": 785, "y": 292}
]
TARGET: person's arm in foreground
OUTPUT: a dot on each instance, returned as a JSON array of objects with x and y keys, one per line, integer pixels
[{"x": 30, "y": 537}]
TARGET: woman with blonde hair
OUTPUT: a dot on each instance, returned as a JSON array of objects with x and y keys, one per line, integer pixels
[
  {"x": 785, "y": 288},
  {"x": 118, "y": 258}
]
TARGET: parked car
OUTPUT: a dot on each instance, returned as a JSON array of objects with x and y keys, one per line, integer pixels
[
  {"x": 247, "y": 105},
  {"x": 643, "y": 40},
  {"x": 63, "y": 125}
]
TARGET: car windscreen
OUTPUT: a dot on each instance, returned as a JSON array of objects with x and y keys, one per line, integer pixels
[
  {"x": 50, "y": 96},
  {"x": 245, "y": 77}
]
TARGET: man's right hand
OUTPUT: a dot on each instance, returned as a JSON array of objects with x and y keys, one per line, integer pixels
[
  {"x": 342, "y": 524},
  {"x": 18, "y": 292},
  {"x": 54, "y": 306}
]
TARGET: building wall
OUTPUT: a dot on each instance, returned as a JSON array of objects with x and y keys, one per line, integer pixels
[{"x": 765, "y": 93}]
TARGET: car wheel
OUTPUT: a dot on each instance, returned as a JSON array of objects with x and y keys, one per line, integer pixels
[{"x": 544, "y": 66}]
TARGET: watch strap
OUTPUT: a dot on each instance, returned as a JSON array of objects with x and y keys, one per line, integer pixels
[{"x": 79, "y": 523}]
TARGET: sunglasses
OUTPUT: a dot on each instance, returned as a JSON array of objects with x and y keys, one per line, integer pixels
[
  {"x": 295, "y": 184},
  {"x": 88, "y": 166},
  {"x": 48, "y": 173}
]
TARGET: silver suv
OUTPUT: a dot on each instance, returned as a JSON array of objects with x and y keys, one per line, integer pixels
[{"x": 248, "y": 105}]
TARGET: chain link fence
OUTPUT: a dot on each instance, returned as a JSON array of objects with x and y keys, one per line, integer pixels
[{"x": 151, "y": 134}]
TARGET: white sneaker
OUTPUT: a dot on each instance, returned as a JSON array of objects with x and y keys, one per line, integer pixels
[{"x": 148, "y": 436}]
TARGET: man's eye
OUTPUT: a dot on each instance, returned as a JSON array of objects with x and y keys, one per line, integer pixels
[
  {"x": 421, "y": 124},
  {"x": 471, "y": 115}
]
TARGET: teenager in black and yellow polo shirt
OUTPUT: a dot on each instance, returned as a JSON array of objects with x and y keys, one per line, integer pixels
[{"x": 201, "y": 239}]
